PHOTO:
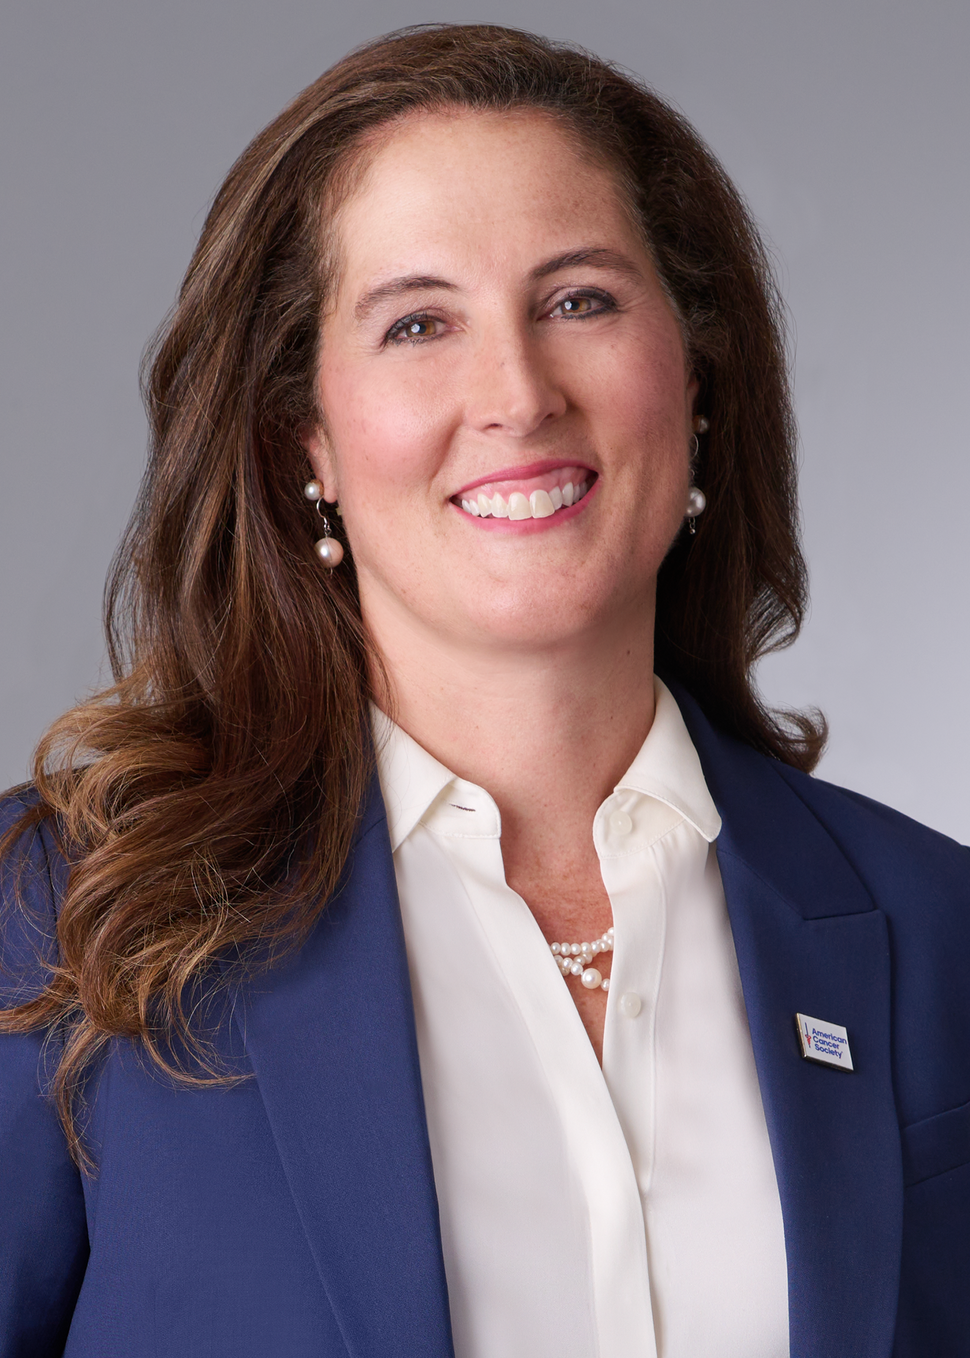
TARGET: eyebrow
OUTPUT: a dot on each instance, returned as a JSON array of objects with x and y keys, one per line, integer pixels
[
  {"x": 594, "y": 257},
  {"x": 398, "y": 287}
]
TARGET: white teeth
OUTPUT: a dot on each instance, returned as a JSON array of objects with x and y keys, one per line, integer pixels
[{"x": 539, "y": 505}]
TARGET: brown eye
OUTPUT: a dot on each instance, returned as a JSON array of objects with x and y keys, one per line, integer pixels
[
  {"x": 413, "y": 328},
  {"x": 582, "y": 304}
]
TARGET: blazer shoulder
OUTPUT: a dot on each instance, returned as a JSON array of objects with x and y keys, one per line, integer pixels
[
  {"x": 43, "y": 1230},
  {"x": 33, "y": 877},
  {"x": 887, "y": 848},
  {"x": 867, "y": 829},
  {"x": 920, "y": 880}
]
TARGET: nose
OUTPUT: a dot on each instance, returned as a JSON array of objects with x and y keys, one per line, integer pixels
[{"x": 510, "y": 387}]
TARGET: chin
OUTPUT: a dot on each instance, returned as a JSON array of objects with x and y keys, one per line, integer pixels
[{"x": 531, "y": 617}]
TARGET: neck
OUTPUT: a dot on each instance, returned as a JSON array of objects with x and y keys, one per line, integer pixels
[{"x": 547, "y": 731}]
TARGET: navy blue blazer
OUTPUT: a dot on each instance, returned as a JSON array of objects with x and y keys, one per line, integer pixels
[{"x": 294, "y": 1214}]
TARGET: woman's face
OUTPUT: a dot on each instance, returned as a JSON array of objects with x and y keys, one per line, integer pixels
[{"x": 504, "y": 390}]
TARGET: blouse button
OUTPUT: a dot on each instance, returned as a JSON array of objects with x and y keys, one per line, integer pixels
[
  {"x": 620, "y": 823},
  {"x": 630, "y": 1004}
]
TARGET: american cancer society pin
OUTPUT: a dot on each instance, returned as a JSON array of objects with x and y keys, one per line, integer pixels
[{"x": 824, "y": 1042}]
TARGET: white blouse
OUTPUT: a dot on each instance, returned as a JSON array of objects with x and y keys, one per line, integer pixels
[{"x": 619, "y": 1212}]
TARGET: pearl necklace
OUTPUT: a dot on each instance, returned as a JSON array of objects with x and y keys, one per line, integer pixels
[{"x": 573, "y": 959}]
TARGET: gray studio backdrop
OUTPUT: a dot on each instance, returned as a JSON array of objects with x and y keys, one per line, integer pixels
[{"x": 844, "y": 124}]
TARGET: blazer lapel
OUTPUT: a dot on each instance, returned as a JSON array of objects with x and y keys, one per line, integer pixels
[
  {"x": 330, "y": 1034},
  {"x": 810, "y": 940}
]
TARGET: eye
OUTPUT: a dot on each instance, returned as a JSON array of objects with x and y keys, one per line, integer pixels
[
  {"x": 590, "y": 302},
  {"x": 413, "y": 329}
]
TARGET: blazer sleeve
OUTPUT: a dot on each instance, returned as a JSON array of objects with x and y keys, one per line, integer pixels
[{"x": 43, "y": 1231}]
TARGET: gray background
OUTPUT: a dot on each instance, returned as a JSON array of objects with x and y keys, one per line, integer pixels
[{"x": 844, "y": 124}]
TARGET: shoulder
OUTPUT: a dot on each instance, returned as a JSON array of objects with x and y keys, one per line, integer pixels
[
  {"x": 897, "y": 857},
  {"x": 33, "y": 877},
  {"x": 31, "y": 860},
  {"x": 899, "y": 860}
]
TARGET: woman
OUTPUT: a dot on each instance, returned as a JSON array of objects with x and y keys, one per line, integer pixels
[{"x": 353, "y": 1037}]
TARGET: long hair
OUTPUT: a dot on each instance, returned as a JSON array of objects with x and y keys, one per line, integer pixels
[{"x": 207, "y": 801}]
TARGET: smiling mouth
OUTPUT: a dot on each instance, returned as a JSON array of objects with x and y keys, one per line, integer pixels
[{"x": 533, "y": 497}]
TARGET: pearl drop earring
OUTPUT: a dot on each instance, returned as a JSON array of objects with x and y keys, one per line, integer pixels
[
  {"x": 329, "y": 549},
  {"x": 696, "y": 499},
  {"x": 696, "y": 504}
]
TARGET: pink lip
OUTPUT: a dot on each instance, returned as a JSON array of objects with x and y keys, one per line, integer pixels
[{"x": 522, "y": 473}]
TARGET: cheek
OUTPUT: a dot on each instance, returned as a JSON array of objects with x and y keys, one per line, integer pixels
[
  {"x": 644, "y": 419},
  {"x": 642, "y": 409},
  {"x": 638, "y": 383},
  {"x": 383, "y": 435}
]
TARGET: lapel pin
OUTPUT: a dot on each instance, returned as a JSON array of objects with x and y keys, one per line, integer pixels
[{"x": 826, "y": 1043}]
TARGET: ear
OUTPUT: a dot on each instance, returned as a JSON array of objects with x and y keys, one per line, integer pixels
[
  {"x": 693, "y": 391},
  {"x": 319, "y": 452}
]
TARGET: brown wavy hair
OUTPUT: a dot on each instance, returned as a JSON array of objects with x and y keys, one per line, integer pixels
[{"x": 208, "y": 800}]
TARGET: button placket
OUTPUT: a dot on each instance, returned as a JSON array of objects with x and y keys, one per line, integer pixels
[{"x": 629, "y": 1058}]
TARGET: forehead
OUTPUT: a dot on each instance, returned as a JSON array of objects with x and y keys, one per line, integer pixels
[{"x": 480, "y": 185}]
